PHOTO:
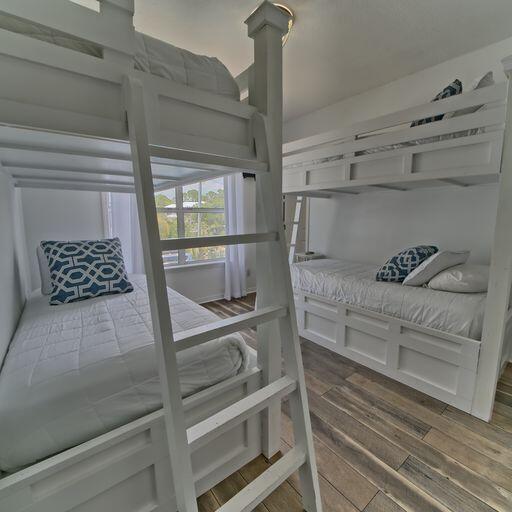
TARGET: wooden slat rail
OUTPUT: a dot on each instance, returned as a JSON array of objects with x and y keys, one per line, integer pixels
[
  {"x": 257, "y": 490},
  {"x": 492, "y": 116},
  {"x": 182, "y": 155},
  {"x": 494, "y": 93},
  {"x": 198, "y": 335},
  {"x": 82, "y": 22},
  {"x": 214, "y": 426},
  {"x": 213, "y": 241}
]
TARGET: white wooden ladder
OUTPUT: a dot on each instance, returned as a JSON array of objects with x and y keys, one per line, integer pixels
[{"x": 280, "y": 309}]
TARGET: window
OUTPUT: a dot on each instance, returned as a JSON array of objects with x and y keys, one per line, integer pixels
[{"x": 190, "y": 211}]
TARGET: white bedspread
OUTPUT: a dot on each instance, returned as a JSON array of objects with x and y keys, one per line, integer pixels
[
  {"x": 354, "y": 283},
  {"x": 78, "y": 370}
]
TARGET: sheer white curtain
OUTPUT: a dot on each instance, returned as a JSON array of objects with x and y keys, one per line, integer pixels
[
  {"x": 235, "y": 276},
  {"x": 120, "y": 218}
]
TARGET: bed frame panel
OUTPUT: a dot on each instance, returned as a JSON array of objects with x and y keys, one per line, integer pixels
[
  {"x": 330, "y": 161},
  {"x": 128, "y": 468},
  {"x": 440, "y": 364}
]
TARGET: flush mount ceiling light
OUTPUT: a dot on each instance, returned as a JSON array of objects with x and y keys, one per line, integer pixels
[{"x": 291, "y": 19}]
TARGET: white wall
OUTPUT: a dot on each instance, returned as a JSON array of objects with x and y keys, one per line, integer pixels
[
  {"x": 12, "y": 287},
  {"x": 370, "y": 227},
  {"x": 59, "y": 215}
]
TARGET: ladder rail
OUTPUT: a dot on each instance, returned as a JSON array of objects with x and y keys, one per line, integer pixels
[
  {"x": 157, "y": 290},
  {"x": 269, "y": 193}
]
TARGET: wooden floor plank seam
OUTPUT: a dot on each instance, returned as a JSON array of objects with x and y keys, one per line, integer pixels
[{"x": 382, "y": 446}]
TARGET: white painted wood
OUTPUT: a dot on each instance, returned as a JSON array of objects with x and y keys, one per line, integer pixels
[
  {"x": 498, "y": 295},
  {"x": 210, "y": 428},
  {"x": 212, "y": 241},
  {"x": 180, "y": 155},
  {"x": 114, "y": 461},
  {"x": 495, "y": 93},
  {"x": 273, "y": 271},
  {"x": 157, "y": 290},
  {"x": 225, "y": 326},
  {"x": 256, "y": 491},
  {"x": 440, "y": 364}
]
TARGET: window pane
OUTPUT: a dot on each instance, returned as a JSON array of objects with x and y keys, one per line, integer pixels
[
  {"x": 212, "y": 193},
  {"x": 166, "y": 199},
  {"x": 204, "y": 224},
  {"x": 191, "y": 196},
  {"x": 168, "y": 225}
]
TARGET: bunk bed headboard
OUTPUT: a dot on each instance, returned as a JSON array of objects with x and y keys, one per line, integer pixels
[{"x": 12, "y": 293}]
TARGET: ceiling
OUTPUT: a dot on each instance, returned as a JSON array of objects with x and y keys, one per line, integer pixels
[{"x": 338, "y": 48}]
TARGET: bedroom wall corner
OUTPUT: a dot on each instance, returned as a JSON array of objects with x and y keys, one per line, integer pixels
[{"x": 12, "y": 270}]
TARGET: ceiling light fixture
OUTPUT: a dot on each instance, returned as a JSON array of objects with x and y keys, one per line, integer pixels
[{"x": 291, "y": 19}]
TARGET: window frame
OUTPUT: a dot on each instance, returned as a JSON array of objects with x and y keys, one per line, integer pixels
[{"x": 180, "y": 212}]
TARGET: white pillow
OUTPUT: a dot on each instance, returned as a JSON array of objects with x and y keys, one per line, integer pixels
[
  {"x": 44, "y": 272},
  {"x": 462, "y": 279},
  {"x": 433, "y": 265}
]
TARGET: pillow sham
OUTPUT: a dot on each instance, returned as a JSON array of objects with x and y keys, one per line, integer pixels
[
  {"x": 466, "y": 278},
  {"x": 83, "y": 269},
  {"x": 433, "y": 265},
  {"x": 450, "y": 90},
  {"x": 398, "y": 267},
  {"x": 44, "y": 272}
]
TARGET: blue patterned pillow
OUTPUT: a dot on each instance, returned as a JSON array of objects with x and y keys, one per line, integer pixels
[
  {"x": 450, "y": 90},
  {"x": 85, "y": 268},
  {"x": 397, "y": 268}
]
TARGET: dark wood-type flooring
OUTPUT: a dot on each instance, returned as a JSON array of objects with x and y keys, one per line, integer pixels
[{"x": 384, "y": 447}]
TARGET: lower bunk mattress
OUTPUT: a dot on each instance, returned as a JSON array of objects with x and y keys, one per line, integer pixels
[
  {"x": 354, "y": 283},
  {"x": 78, "y": 370}
]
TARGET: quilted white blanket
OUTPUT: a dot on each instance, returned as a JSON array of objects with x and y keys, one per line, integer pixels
[
  {"x": 354, "y": 283},
  {"x": 78, "y": 370}
]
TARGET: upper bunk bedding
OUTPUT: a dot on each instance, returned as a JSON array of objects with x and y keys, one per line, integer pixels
[
  {"x": 151, "y": 56},
  {"x": 354, "y": 283},
  {"x": 78, "y": 370}
]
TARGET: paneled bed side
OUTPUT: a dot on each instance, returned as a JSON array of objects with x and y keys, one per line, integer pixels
[{"x": 387, "y": 153}]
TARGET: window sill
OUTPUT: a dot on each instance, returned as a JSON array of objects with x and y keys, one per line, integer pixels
[{"x": 195, "y": 265}]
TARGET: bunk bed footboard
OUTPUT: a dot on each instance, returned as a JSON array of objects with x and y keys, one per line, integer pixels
[
  {"x": 128, "y": 468},
  {"x": 439, "y": 364}
]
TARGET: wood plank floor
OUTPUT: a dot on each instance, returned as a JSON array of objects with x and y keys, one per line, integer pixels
[{"x": 384, "y": 447}]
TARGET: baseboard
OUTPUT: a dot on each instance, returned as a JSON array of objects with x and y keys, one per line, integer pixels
[{"x": 219, "y": 296}]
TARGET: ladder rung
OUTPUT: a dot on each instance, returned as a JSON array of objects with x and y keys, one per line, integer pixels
[
  {"x": 210, "y": 428},
  {"x": 197, "y": 335},
  {"x": 208, "y": 159},
  {"x": 256, "y": 491},
  {"x": 175, "y": 244}
]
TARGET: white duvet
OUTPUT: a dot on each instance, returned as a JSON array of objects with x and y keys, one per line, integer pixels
[
  {"x": 78, "y": 370},
  {"x": 354, "y": 283}
]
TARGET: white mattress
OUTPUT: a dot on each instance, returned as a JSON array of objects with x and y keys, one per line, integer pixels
[
  {"x": 151, "y": 55},
  {"x": 354, "y": 283},
  {"x": 78, "y": 370}
]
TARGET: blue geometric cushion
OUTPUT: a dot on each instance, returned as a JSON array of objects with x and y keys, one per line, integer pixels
[
  {"x": 397, "y": 268},
  {"x": 450, "y": 90},
  {"x": 85, "y": 268}
]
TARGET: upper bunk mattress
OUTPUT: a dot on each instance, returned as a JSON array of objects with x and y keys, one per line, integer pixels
[
  {"x": 78, "y": 370},
  {"x": 354, "y": 283},
  {"x": 151, "y": 55}
]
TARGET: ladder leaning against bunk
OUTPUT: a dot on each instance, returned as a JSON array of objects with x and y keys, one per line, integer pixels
[{"x": 275, "y": 297}]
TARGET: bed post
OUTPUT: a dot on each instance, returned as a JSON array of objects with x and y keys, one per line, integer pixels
[
  {"x": 498, "y": 295},
  {"x": 120, "y": 15},
  {"x": 266, "y": 25}
]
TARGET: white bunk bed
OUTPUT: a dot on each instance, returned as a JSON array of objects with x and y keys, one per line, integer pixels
[
  {"x": 388, "y": 153},
  {"x": 73, "y": 120}
]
